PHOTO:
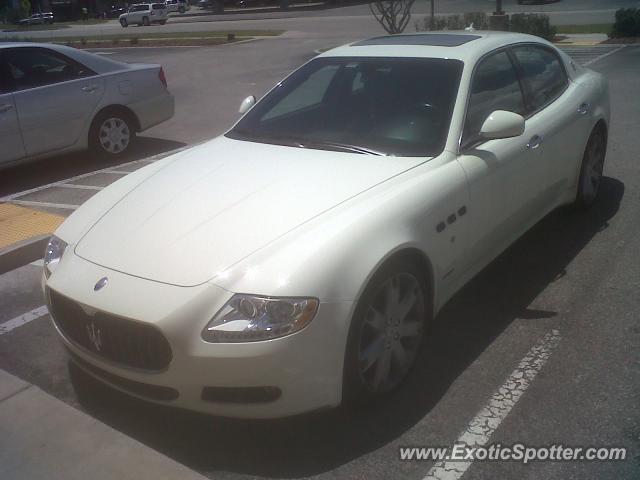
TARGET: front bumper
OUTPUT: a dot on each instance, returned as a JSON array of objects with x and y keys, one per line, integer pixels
[{"x": 305, "y": 369}]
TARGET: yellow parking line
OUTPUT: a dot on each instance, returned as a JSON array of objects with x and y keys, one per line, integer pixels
[{"x": 19, "y": 223}]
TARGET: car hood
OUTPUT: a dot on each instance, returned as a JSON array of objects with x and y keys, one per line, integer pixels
[{"x": 219, "y": 202}]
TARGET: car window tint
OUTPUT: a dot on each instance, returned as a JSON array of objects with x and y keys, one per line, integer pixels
[
  {"x": 307, "y": 94},
  {"x": 35, "y": 67},
  {"x": 159, "y": 6},
  {"x": 494, "y": 87},
  {"x": 140, "y": 8},
  {"x": 543, "y": 73}
]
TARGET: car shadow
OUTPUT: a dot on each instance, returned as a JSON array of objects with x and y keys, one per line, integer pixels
[
  {"x": 316, "y": 443},
  {"x": 52, "y": 169}
]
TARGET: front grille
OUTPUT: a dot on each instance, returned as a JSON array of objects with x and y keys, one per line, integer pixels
[{"x": 122, "y": 341}]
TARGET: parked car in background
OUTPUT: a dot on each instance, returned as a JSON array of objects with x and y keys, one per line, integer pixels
[
  {"x": 56, "y": 99},
  {"x": 180, "y": 6},
  {"x": 297, "y": 261},
  {"x": 38, "y": 19},
  {"x": 145, "y": 14},
  {"x": 116, "y": 11}
]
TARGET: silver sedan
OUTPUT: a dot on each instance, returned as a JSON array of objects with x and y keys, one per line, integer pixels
[{"x": 56, "y": 99}]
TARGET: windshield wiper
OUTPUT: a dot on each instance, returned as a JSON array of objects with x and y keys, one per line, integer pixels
[
  {"x": 301, "y": 142},
  {"x": 341, "y": 147}
]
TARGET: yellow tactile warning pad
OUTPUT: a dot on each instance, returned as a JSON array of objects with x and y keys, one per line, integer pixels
[{"x": 19, "y": 223}]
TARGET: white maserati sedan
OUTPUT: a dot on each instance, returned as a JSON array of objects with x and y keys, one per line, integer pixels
[
  {"x": 294, "y": 263},
  {"x": 56, "y": 99}
]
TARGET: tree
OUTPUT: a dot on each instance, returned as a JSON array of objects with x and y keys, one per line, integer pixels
[{"x": 393, "y": 15}]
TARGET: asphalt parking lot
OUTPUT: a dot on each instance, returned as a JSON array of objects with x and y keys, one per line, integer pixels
[{"x": 559, "y": 309}]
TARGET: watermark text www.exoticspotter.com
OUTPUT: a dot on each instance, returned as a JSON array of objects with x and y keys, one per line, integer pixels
[{"x": 518, "y": 452}]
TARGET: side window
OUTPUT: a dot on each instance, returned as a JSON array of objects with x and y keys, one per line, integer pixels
[
  {"x": 308, "y": 94},
  {"x": 494, "y": 86},
  {"x": 36, "y": 67},
  {"x": 543, "y": 73},
  {"x": 5, "y": 82}
]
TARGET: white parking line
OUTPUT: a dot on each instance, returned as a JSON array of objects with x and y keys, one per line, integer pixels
[
  {"x": 117, "y": 172},
  {"x": 479, "y": 430},
  {"x": 80, "y": 187},
  {"x": 603, "y": 56},
  {"x": 34, "y": 314},
  {"x": 30, "y": 203}
]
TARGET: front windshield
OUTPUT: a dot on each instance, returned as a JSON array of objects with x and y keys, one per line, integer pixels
[{"x": 379, "y": 105}]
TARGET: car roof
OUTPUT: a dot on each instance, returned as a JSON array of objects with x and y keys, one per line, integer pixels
[{"x": 467, "y": 46}]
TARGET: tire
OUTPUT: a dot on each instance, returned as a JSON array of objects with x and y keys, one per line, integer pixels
[
  {"x": 386, "y": 332},
  {"x": 591, "y": 168},
  {"x": 145, "y": 21},
  {"x": 124, "y": 23},
  {"x": 112, "y": 134}
]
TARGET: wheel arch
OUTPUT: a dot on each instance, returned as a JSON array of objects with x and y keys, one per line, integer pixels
[
  {"x": 119, "y": 109},
  {"x": 404, "y": 252}
]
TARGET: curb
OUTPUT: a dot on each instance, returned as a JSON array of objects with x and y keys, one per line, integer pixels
[
  {"x": 22, "y": 253},
  {"x": 42, "y": 438}
]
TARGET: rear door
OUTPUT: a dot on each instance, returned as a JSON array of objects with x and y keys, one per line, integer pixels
[
  {"x": 12, "y": 147},
  {"x": 54, "y": 96}
]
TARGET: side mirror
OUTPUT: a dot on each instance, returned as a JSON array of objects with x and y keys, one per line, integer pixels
[
  {"x": 502, "y": 124},
  {"x": 247, "y": 103}
]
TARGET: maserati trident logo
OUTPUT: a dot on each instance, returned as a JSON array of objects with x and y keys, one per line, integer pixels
[
  {"x": 100, "y": 284},
  {"x": 93, "y": 333}
]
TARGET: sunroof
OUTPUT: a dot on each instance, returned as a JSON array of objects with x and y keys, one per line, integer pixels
[{"x": 427, "y": 39}]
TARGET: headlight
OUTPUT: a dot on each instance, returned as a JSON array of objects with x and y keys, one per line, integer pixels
[
  {"x": 53, "y": 254},
  {"x": 250, "y": 318}
]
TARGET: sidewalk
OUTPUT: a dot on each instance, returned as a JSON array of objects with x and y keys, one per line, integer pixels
[
  {"x": 582, "y": 39},
  {"x": 44, "y": 438}
]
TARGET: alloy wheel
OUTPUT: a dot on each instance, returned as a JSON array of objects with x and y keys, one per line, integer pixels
[
  {"x": 391, "y": 333},
  {"x": 593, "y": 168}
]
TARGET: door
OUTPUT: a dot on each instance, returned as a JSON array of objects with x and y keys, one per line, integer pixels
[
  {"x": 10, "y": 135},
  {"x": 505, "y": 176},
  {"x": 554, "y": 110},
  {"x": 139, "y": 11},
  {"x": 54, "y": 96}
]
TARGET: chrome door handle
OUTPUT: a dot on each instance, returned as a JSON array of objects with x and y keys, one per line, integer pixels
[
  {"x": 5, "y": 108},
  {"x": 90, "y": 88},
  {"x": 535, "y": 142},
  {"x": 583, "y": 108}
]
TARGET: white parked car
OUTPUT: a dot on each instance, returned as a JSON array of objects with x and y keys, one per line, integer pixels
[
  {"x": 56, "y": 99},
  {"x": 38, "y": 19},
  {"x": 180, "y": 6},
  {"x": 293, "y": 263},
  {"x": 145, "y": 14}
]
